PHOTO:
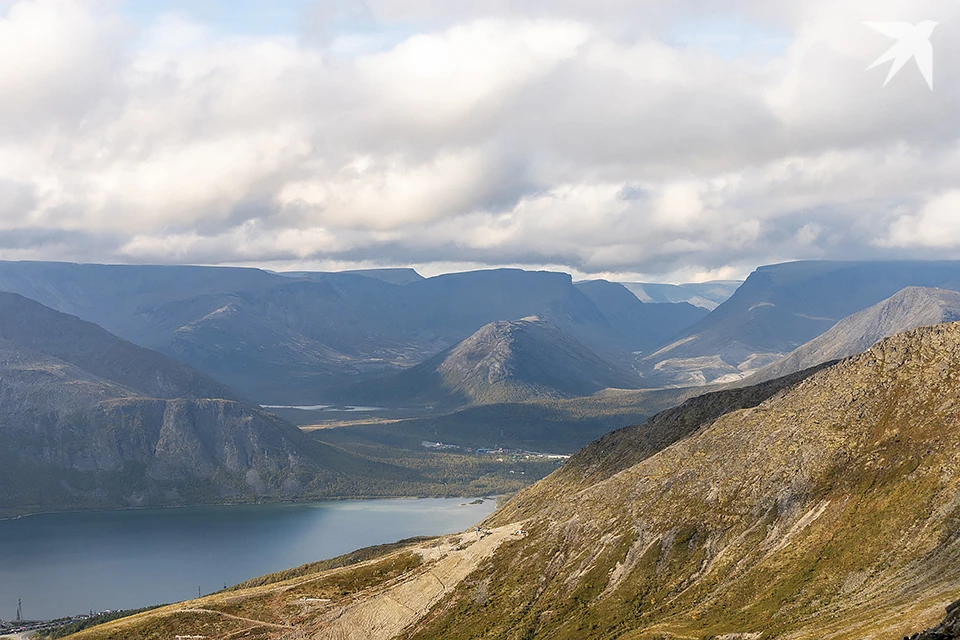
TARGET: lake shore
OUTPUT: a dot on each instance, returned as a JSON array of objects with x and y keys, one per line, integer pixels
[{"x": 139, "y": 557}]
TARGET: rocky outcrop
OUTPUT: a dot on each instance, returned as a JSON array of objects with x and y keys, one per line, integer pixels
[{"x": 949, "y": 629}]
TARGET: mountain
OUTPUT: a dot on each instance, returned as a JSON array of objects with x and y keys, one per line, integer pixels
[
  {"x": 505, "y": 361},
  {"x": 302, "y": 339},
  {"x": 780, "y": 307},
  {"x": 88, "y": 420},
  {"x": 707, "y": 295},
  {"x": 909, "y": 308},
  {"x": 819, "y": 507},
  {"x": 116, "y": 296},
  {"x": 32, "y": 326},
  {"x": 645, "y": 326}
]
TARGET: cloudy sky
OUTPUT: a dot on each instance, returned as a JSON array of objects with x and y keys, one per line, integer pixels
[{"x": 668, "y": 140}]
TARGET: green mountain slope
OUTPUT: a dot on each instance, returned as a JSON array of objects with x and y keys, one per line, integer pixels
[
  {"x": 823, "y": 509},
  {"x": 828, "y": 511}
]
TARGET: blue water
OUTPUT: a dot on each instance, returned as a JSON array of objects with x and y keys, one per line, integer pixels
[{"x": 69, "y": 563}]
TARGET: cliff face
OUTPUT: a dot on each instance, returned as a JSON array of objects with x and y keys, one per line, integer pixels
[{"x": 88, "y": 420}]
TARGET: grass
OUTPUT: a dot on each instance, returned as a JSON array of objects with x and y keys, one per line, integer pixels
[{"x": 80, "y": 625}]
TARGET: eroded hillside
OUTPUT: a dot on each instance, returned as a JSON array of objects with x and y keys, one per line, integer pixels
[{"x": 830, "y": 509}]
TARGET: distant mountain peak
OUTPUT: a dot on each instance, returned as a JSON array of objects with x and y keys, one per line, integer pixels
[
  {"x": 507, "y": 361},
  {"x": 909, "y": 308},
  {"x": 780, "y": 307}
]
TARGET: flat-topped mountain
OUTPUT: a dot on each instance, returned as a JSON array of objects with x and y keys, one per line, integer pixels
[
  {"x": 820, "y": 507},
  {"x": 907, "y": 309},
  {"x": 390, "y": 275},
  {"x": 780, "y": 307},
  {"x": 303, "y": 338},
  {"x": 505, "y": 361}
]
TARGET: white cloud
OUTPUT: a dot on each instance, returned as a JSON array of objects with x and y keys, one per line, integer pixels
[
  {"x": 577, "y": 134},
  {"x": 936, "y": 224}
]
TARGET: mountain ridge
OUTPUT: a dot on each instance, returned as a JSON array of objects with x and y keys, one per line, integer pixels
[
  {"x": 302, "y": 340},
  {"x": 778, "y": 308},
  {"x": 909, "y": 308},
  {"x": 503, "y": 362},
  {"x": 828, "y": 510}
]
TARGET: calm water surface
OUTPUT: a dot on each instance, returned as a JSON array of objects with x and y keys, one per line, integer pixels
[{"x": 64, "y": 564}]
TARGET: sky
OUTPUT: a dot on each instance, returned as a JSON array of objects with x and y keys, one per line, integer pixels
[{"x": 674, "y": 140}]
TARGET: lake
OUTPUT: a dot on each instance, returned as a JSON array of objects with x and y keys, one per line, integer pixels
[{"x": 70, "y": 563}]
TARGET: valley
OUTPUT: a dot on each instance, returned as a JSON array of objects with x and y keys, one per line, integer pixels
[
  {"x": 662, "y": 459},
  {"x": 818, "y": 506},
  {"x": 511, "y": 320}
]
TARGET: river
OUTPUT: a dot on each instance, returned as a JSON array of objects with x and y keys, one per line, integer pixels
[{"x": 70, "y": 563}]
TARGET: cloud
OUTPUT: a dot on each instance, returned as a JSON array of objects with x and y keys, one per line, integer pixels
[
  {"x": 603, "y": 137},
  {"x": 935, "y": 225}
]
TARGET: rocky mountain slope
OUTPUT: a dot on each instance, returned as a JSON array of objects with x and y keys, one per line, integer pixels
[
  {"x": 949, "y": 629},
  {"x": 31, "y": 325},
  {"x": 507, "y": 361},
  {"x": 907, "y": 309},
  {"x": 88, "y": 420},
  {"x": 305, "y": 338},
  {"x": 828, "y": 510},
  {"x": 780, "y": 307}
]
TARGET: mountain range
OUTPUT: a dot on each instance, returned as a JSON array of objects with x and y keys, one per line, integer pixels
[
  {"x": 820, "y": 506},
  {"x": 89, "y": 420},
  {"x": 300, "y": 338},
  {"x": 780, "y": 307},
  {"x": 909, "y": 308}
]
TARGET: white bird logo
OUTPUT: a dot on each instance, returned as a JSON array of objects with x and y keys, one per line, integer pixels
[{"x": 913, "y": 41}]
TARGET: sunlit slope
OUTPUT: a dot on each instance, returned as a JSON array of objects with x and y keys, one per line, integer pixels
[{"x": 830, "y": 509}]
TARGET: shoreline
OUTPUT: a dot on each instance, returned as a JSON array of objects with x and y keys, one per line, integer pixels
[
  {"x": 399, "y": 516},
  {"x": 495, "y": 498}
]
